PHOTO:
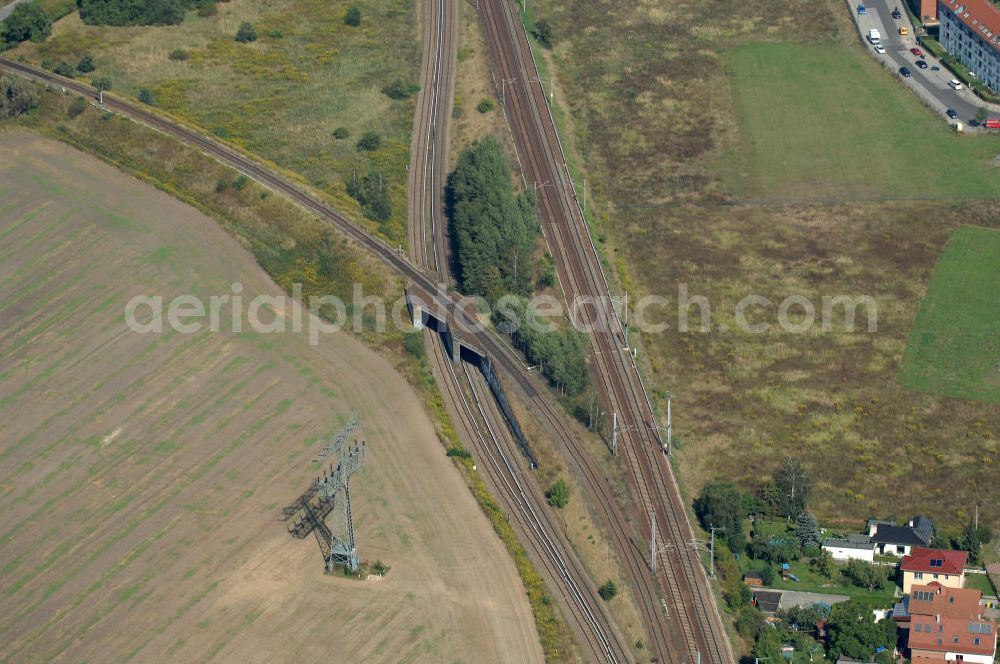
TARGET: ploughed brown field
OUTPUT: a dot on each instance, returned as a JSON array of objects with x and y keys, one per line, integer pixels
[{"x": 142, "y": 476}]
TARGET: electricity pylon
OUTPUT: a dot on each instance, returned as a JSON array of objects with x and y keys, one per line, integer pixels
[
  {"x": 335, "y": 487},
  {"x": 330, "y": 495}
]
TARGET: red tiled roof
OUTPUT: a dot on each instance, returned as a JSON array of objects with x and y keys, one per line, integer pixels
[
  {"x": 951, "y": 616},
  {"x": 954, "y": 634},
  {"x": 946, "y": 561},
  {"x": 982, "y": 16},
  {"x": 946, "y": 602}
]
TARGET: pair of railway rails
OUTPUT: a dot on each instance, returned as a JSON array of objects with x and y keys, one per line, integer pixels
[
  {"x": 696, "y": 628},
  {"x": 686, "y": 627}
]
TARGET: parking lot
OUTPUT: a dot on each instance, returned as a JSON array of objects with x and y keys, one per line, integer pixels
[{"x": 930, "y": 84}]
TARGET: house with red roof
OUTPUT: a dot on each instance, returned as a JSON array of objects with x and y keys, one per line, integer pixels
[
  {"x": 924, "y": 565},
  {"x": 970, "y": 30},
  {"x": 947, "y": 625}
]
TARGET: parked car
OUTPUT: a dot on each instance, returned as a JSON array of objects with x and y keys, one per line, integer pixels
[
  {"x": 917, "y": 52},
  {"x": 903, "y": 30},
  {"x": 920, "y": 64},
  {"x": 880, "y": 49},
  {"x": 992, "y": 123},
  {"x": 935, "y": 68},
  {"x": 896, "y": 14},
  {"x": 951, "y": 114},
  {"x": 955, "y": 84},
  {"x": 904, "y": 72},
  {"x": 861, "y": 10}
]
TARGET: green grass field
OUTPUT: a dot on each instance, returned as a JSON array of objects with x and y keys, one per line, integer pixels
[
  {"x": 821, "y": 122},
  {"x": 954, "y": 347},
  {"x": 656, "y": 95},
  {"x": 281, "y": 96},
  {"x": 980, "y": 582}
]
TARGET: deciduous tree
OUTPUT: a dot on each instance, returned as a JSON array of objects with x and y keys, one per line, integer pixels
[
  {"x": 793, "y": 486},
  {"x": 27, "y": 21}
]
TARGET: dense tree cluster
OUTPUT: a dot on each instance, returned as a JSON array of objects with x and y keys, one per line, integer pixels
[
  {"x": 854, "y": 632},
  {"x": 493, "y": 230},
  {"x": 132, "y": 12},
  {"x": 27, "y": 21},
  {"x": 561, "y": 354},
  {"x": 724, "y": 505}
]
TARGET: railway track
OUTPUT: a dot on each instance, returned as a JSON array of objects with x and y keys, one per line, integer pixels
[
  {"x": 429, "y": 146},
  {"x": 597, "y": 487},
  {"x": 696, "y": 629},
  {"x": 477, "y": 415}
]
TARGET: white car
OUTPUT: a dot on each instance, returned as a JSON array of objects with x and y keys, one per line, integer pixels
[{"x": 880, "y": 49}]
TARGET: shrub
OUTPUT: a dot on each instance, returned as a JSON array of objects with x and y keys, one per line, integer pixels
[
  {"x": 369, "y": 142},
  {"x": 76, "y": 107},
  {"x": 340, "y": 133},
  {"x": 558, "y": 494},
  {"x": 486, "y": 105},
  {"x": 221, "y": 185},
  {"x": 353, "y": 16},
  {"x": 749, "y": 621},
  {"x": 543, "y": 33},
  {"x": 246, "y": 32},
  {"x": 146, "y": 96},
  {"x": 380, "y": 568},
  {"x": 459, "y": 452},
  {"x": 86, "y": 65},
  {"x": 131, "y": 12},
  {"x": 399, "y": 90},
  {"x": 414, "y": 344},
  {"x": 206, "y": 9},
  {"x": 17, "y": 96},
  {"x": 275, "y": 34},
  {"x": 64, "y": 69},
  {"x": 101, "y": 83},
  {"x": 241, "y": 182},
  {"x": 608, "y": 590},
  {"x": 546, "y": 271},
  {"x": 27, "y": 21},
  {"x": 179, "y": 55}
]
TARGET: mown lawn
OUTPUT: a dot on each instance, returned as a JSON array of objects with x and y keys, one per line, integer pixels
[
  {"x": 281, "y": 96},
  {"x": 980, "y": 582},
  {"x": 811, "y": 582},
  {"x": 954, "y": 347},
  {"x": 821, "y": 122}
]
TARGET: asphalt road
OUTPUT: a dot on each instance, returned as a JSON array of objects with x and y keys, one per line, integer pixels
[{"x": 931, "y": 86}]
